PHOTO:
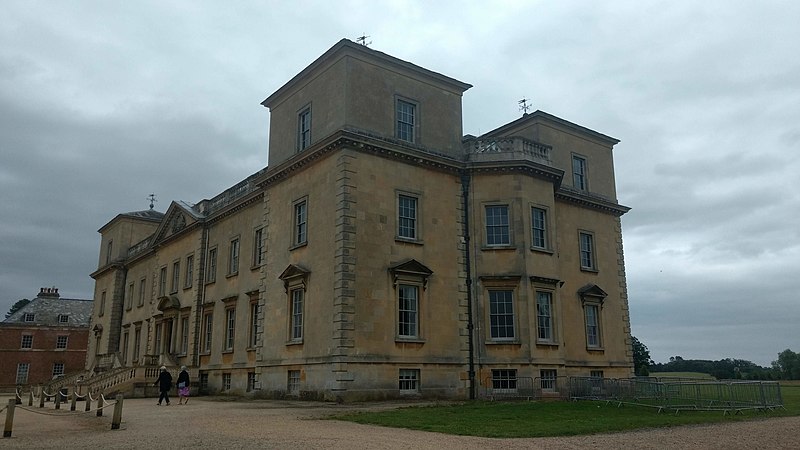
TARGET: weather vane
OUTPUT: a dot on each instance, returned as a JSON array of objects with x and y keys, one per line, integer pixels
[
  {"x": 152, "y": 198},
  {"x": 524, "y": 106},
  {"x": 363, "y": 40}
]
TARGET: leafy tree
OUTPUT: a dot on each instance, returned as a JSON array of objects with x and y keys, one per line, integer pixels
[
  {"x": 788, "y": 365},
  {"x": 17, "y": 306},
  {"x": 641, "y": 357}
]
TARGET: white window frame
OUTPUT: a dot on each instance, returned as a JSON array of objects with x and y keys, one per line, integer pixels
[
  {"x": 579, "y": 173},
  {"x": 408, "y": 217},
  {"x": 545, "y": 329},
  {"x": 593, "y": 325},
  {"x": 408, "y": 310},
  {"x": 508, "y": 317},
  {"x": 233, "y": 256},
  {"x": 253, "y": 331},
  {"x": 293, "y": 379},
  {"x": 296, "y": 313},
  {"x": 300, "y": 222},
  {"x": 586, "y": 250},
  {"x": 539, "y": 228},
  {"x": 230, "y": 328},
  {"x": 504, "y": 380},
  {"x": 62, "y": 338},
  {"x": 548, "y": 380},
  {"x": 211, "y": 266},
  {"x": 493, "y": 230},
  {"x": 406, "y": 120},
  {"x": 304, "y": 128},
  {"x": 408, "y": 381},
  {"x": 29, "y": 338},
  {"x": 63, "y": 318},
  {"x": 58, "y": 369},
  {"x": 226, "y": 381},
  {"x": 258, "y": 247}
]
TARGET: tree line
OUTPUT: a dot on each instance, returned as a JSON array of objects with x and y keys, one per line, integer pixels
[{"x": 786, "y": 367}]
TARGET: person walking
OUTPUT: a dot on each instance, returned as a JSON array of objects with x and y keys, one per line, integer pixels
[
  {"x": 183, "y": 386},
  {"x": 164, "y": 382}
]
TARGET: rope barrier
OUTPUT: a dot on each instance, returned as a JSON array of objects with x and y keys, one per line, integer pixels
[{"x": 45, "y": 413}]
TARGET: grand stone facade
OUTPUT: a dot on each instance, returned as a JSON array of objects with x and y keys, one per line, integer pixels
[{"x": 380, "y": 253}]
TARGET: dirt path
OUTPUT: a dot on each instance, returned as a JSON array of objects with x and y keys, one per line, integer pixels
[{"x": 205, "y": 423}]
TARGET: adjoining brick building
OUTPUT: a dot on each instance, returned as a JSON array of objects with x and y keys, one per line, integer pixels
[
  {"x": 381, "y": 253},
  {"x": 46, "y": 338}
]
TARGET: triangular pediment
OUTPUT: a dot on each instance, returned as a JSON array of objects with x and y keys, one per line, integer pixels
[
  {"x": 294, "y": 275},
  {"x": 592, "y": 292},
  {"x": 179, "y": 217},
  {"x": 411, "y": 269},
  {"x": 293, "y": 271}
]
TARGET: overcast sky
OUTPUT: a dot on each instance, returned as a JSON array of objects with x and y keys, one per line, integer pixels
[{"x": 102, "y": 103}]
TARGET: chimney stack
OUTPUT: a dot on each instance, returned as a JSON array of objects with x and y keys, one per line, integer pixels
[{"x": 49, "y": 292}]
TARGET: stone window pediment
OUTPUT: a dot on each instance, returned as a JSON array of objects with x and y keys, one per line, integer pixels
[
  {"x": 410, "y": 270},
  {"x": 592, "y": 293},
  {"x": 294, "y": 275}
]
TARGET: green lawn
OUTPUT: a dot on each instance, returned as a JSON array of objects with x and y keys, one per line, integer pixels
[{"x": 539, "y": 419}]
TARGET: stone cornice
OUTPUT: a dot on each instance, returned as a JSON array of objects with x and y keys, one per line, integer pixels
[
  {"x": 591, "y": 201},
  {"x": 237, "y": 206},
  {"x": 116, "y": 264},
  {"x": 398, "y": 151},
  {"x": 531, "y": 168},
  {"x": 361, "y": 143}
]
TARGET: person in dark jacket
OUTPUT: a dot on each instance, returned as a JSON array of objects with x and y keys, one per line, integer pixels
[
  {"x": 164, "y": 383},
  {"x": 183, "y": 386}
]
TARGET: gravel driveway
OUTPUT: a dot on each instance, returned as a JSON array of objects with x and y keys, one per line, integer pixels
[{"x": 207, "y": 423}]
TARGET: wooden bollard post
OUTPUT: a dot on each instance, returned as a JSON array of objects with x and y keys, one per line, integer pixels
[
  {"x": 58, "y": 399},
  {"x": 18, "y": 396},
  {"x": 88, "y": 402},
  {"x": 41, "y": 396},
  {"x": 9, "y": 418},
  {"x": 100, "y": 405},
  {"x": 30, "y": 398},
  {"x": 74, "y": 399},
  {"x": 115, "y": 421}
]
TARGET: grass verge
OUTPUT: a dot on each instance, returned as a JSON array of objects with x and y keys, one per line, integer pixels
[{"x": 541, "y": 419}]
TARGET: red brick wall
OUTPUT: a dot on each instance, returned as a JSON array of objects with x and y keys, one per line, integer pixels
[{"x": 43, "y": 354}]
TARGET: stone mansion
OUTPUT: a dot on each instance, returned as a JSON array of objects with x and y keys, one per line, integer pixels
[{"x": 381, "y": 253}]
